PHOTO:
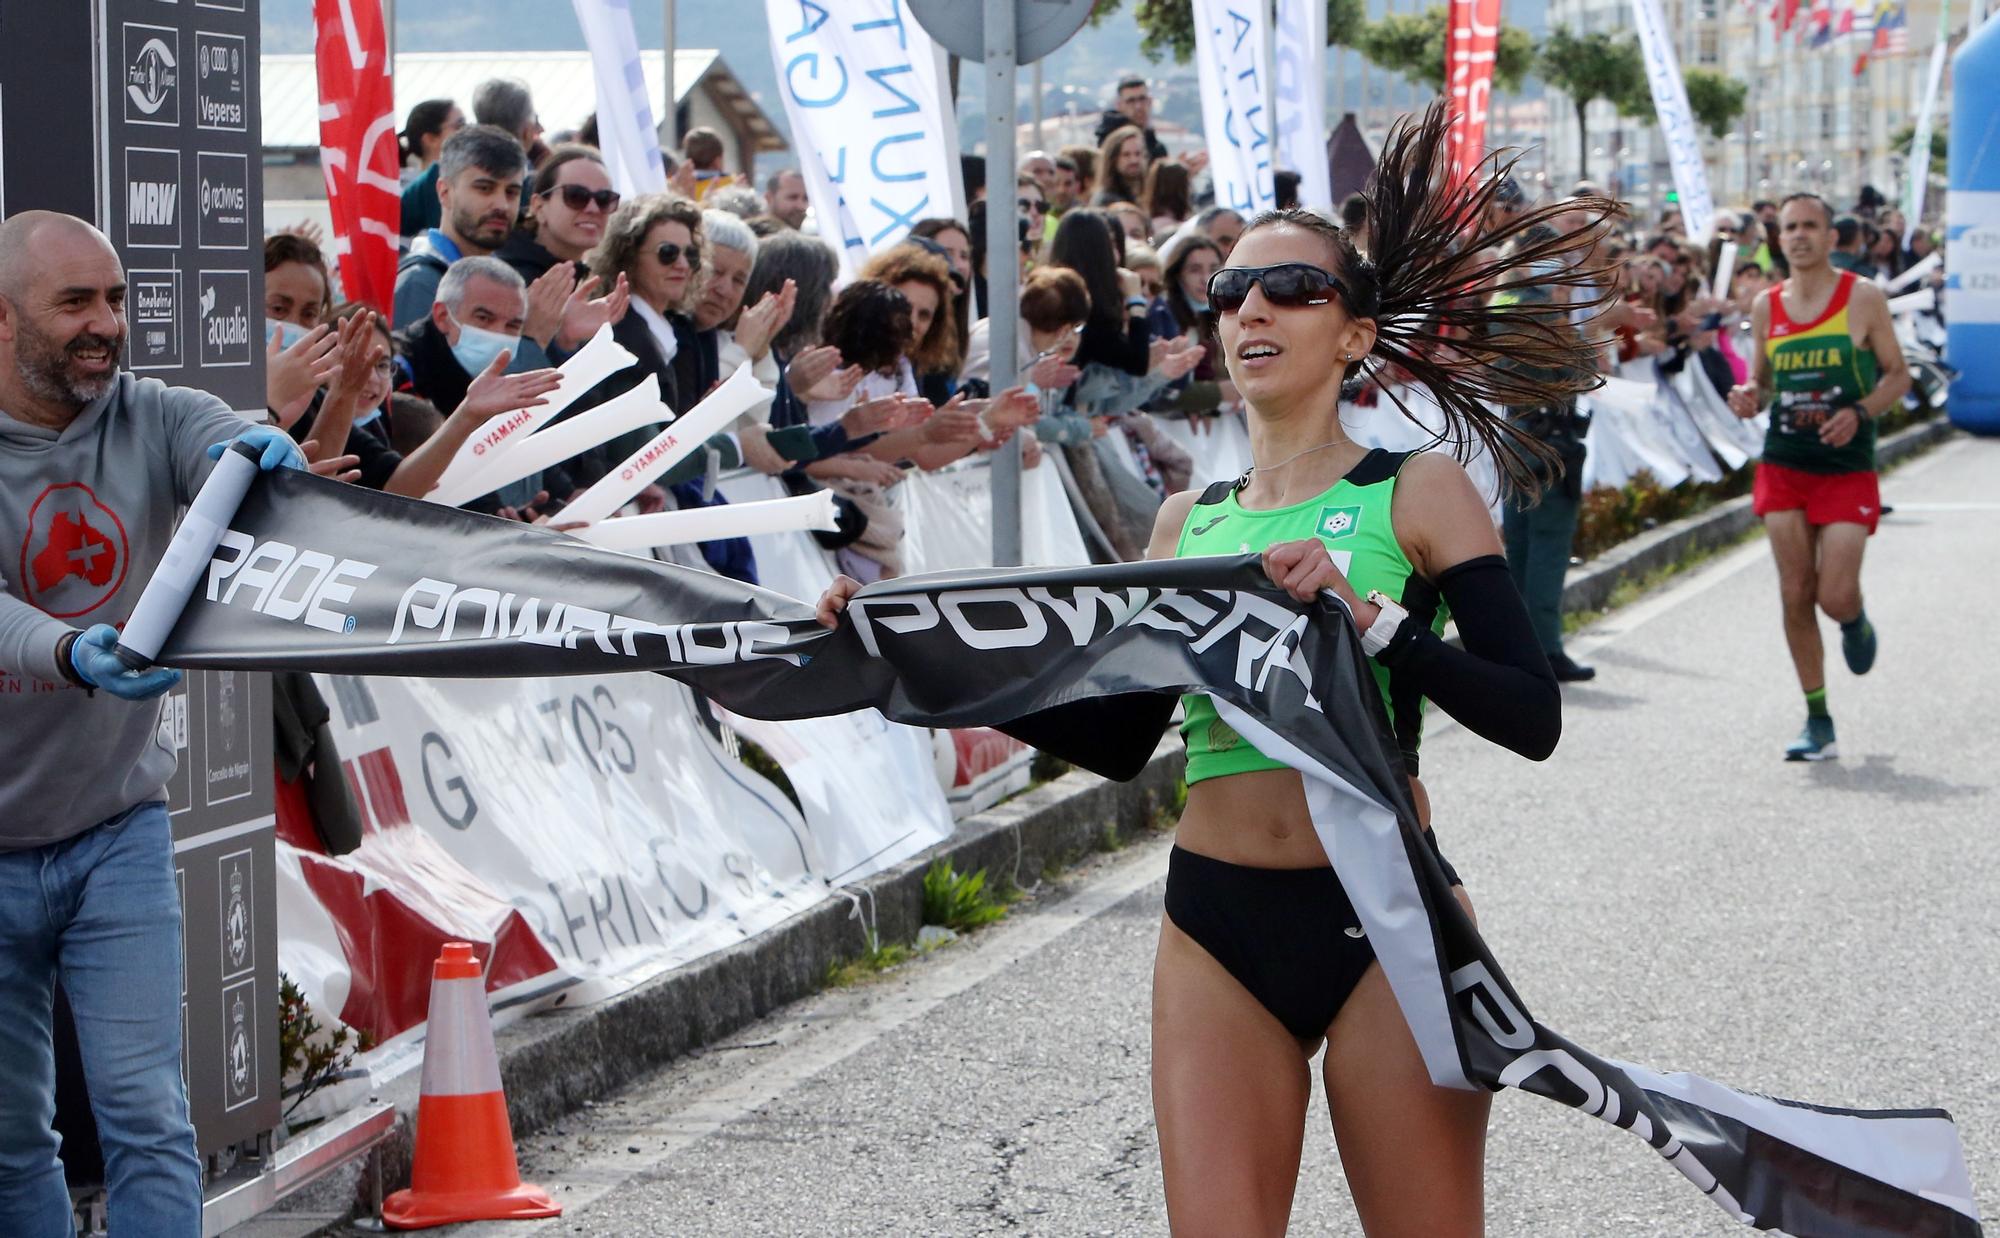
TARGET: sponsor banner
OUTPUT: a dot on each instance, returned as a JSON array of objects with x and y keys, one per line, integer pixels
[
  {"x": 625, "y": 130},
  {"x": 1677, "y": 123},
  {"x": 153, "y": 302},
  {"x": 152, "y": 75},
  {"x": 223, "y": 201},
  {"x": 1085, "y": 663},
  {"x": 222, "y": 76},
  {"x": 223, "y": 317},
  {"x": 863, "y": 88},
  {"x": 1229, "y": 51},
  {"x": 1472, "y": 45},
  {"x": 152, "y": 198},
  {"x": 1300, "y": 50},
  {"x": 358, "y": 151}
]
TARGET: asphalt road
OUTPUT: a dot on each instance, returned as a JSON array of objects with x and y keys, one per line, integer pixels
[{"x": 1664, "y": 890}]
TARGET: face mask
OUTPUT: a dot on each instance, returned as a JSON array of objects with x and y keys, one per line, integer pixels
[
  {"x": 289, "y": 332},
  {"x": 373, "y": 414},
  {"x": 1199, "y": 307},
  {"x": 477, "y": 347}
]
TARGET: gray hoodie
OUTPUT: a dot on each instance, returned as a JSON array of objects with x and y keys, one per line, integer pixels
[{"x": 91, "y": 510}]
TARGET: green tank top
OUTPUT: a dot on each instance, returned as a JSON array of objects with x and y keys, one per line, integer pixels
[
  {"x": 1818, "y": 370},
  {"x": 1352, "y": 519}
]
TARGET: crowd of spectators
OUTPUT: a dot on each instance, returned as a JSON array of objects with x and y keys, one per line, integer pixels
[{"x": 520, "y": 250}]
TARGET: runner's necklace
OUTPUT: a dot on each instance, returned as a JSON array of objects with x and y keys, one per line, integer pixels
[{"x": 1286, "y": 492}]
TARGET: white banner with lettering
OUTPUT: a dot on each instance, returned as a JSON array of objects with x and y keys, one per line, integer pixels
[
  {"x": 1677, "y": 123},
  {"x": 865, "y": 91},
  {"x": 605, "y": 813},
  {"x": 625, "y": 130},
  {"x": 1301, "y": 70},
  {"x": 1229, "y": 42}
]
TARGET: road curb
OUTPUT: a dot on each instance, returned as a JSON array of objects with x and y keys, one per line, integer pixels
[
  {"x": 554, "y": 1062},
  {"x": 1590, "y": 586}
]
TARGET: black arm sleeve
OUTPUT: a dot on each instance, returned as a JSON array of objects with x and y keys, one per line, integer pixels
[{"x": 1499, "y": 686}]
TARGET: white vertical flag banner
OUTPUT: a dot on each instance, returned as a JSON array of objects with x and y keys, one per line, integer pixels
[
  {"x": 864, "y": 91},
  {"x": 1917, "y": 177},
  {"x": 1300, "y": 66},
  {"x": 1229, "y": 52},
  {"x": 1677, "y": 125},
  {"x": 625, "y": 129}
]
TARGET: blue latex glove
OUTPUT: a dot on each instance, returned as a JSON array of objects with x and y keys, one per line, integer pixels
[
  {"x": 275, "y": 448},
  {"x": 92, "y": 657}
]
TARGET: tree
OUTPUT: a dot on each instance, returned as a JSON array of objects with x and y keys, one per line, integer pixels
[
  {"x": 1591, "y": 67},
  {"x": 1940, "y": 146},
  {"x": 1413, "y": 46},
  {"x": 1715, "y": 99},
  {"x": 1168, "y": 25}
]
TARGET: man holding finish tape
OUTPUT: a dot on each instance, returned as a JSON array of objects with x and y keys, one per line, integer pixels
[{"x": 94, "y": 464}]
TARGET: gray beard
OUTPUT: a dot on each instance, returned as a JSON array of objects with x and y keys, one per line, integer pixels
[{"x": 44, "y": 370}]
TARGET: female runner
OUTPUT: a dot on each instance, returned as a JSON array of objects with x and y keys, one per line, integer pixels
[{"x": 1261, "y": 956}]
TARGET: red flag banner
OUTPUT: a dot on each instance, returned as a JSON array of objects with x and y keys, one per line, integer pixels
[
  {"x": 358, "y": 151},
  {"x": 1472, "y": 44}
]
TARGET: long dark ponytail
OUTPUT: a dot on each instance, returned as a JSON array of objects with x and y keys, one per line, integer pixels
[{"x": 1433, "y": 263}]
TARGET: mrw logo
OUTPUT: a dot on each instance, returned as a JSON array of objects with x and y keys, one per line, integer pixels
[{"x": 1337, "y": 522}]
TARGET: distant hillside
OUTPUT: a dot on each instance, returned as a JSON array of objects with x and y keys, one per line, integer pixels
[{"x": 1077, "y": 75}]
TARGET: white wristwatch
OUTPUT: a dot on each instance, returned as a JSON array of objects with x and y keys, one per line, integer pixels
[{"x": 1386, "y": 624}]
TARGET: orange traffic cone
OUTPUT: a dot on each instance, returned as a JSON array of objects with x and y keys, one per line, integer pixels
[{"x": 465, "y": 1168}]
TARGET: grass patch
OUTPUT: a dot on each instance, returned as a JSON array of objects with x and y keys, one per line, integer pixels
[
  {"x": 766, "y": 765},
  {"x": 874, "y": 961},
  {"x": 1045, "y": 767},
  {"x": 958, "y": 901}
]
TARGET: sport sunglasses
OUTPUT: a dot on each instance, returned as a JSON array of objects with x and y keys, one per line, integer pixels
[
  {"x": 576, "y": 197},
  {"x": 1290, "y": 285}
]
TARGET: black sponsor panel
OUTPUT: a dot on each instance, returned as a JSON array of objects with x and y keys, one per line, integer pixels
[
  {"x": 153, "y": 310},
  {"x": 223, "y": 317},
  {"x": 50, "y": 155},
  {"x": 222, "y": 75},
  {"x": 151, "y": 71},
  {"x": 180, "y": 163},
  {"x": 222, "y": 201},
  {"x": 152, "y": 195}
]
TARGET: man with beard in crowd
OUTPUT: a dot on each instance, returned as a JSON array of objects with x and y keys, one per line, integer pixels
[
  {"x": 479, "y": 190},
  {"x": 94, "y": 466},
  {"x": 785, "y": 197}
]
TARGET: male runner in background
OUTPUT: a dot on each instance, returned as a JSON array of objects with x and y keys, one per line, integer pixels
[{"x": 1828, "y": 364}]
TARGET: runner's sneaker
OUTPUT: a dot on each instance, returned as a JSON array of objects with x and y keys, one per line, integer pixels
[
  {"x": 1815, "y": 743},
  {"x": 1857, "y": 644}
]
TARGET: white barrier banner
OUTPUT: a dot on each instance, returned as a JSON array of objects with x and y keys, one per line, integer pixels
[
  {"x": 863, "y": 87},
  {"x": 1677, "y": 123},
  {"x": 1301, "y": 65},
  {"x": 625, "y": 131},
  {"x": 1229, "y": 53}
]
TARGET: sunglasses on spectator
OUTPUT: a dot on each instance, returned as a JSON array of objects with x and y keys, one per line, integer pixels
[
  {"x": 668, "y": 252},
  {"x": 576, "y": 197},
  {"x": 1030, "y": 204},
  {"x": 1290, "y": 285}
]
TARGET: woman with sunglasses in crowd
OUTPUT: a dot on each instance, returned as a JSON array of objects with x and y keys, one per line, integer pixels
[{"x": 1261, "y": 957}]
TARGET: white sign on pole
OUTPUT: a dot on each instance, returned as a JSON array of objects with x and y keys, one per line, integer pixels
[
  {"x": 625, "y": 130},
  {"x": 1301, "y": 78},
  {"x": 1677, "y": 123},
  {"x": 1229, "y": 38},
  {"x": 864, "y": 90}
]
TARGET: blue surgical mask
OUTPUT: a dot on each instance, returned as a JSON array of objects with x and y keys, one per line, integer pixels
[
  {"x": 277, "y": 328},
  {"x": 477, "y": 347},
  {"x": 1199, "y": 307},
  {"x": 373, "y": 414}
]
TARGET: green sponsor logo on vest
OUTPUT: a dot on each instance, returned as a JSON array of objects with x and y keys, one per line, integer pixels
[{"x": 1339, "y": 521}]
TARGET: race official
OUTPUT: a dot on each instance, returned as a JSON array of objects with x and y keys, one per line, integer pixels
[{"x": 94, "y": 464}]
